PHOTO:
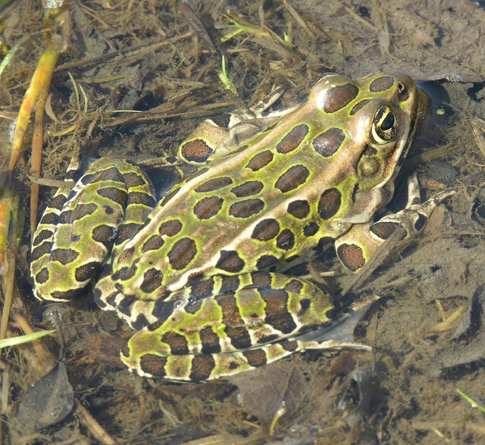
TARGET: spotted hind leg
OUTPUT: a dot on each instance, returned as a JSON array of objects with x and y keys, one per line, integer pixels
[
  {"x": 360, "y": 243},
  {"x": 198, "y": 367},
  {"x": 77, "y": 231},
  {"x": 221, "y": 316}
]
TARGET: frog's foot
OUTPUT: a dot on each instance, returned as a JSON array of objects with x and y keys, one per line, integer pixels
[{"x": 361, "y": 242}]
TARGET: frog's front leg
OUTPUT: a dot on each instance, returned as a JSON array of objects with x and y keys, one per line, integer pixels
[
  {"x": 215, "y": 138},
  {"x": 360, "y": 243},
  {"x": 228, "y": 324}
]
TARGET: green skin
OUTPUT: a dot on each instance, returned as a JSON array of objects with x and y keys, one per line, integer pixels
[{"x": 197, "y": 275}]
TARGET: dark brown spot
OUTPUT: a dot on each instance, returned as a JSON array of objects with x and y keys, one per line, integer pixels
[
  {"x": 42, "y": 236},
  {"x": 151, "y": 364},
  {"x": 178, "y": 343},
  {"x": 42, "y": 276},
  {"x": 293, "y": 139},
  {"x": 247, "y": 208},
  {"x": 229, "y": 283},
  {"x": 125, "y": 273},
  {"x": 113, "y": 194},
  {"x": 265, "y": 261},
  {"x": 383, "y": 230},
  {"x": 261, "y": 280},
  {"x": 329, "y": 142},
  {"x": 233, "y": 365},
  {"x": 162, "y": 310},
  {"x": 64, "y": 256},
  {"x": 381, "y": 84},
  {"x": 351, "y": 256},
  {"x": 230, "y": 261},
  {"x": 310, "y": 229},
  {"x": 152, "y": 243},
  {"x": 172, "y": 160},
  {"x": 82, "y": 210},
  {"x": 339, "y": 97},
  {"x": 41, "y": 250},
  {"x": 358, "y": 106},
  {"x": 152, "y": 280},
  {"x": 213, "y": 184},
  {"x": 290, "y": 346},
  {"x": 260, "y": 160},
  {"x": 329, "y": 203},
  {"x": 170, "y": 228},
  {"x": 133, "y": 180},
  {"x": 292, "y": 178},
  {"x": 140, "y": 322},
  {"x": 210, "y": 341},
  {"x": 208, "y": 207},
  {"x": 202, "y": 366},
  {"x": 286, "y": 240},
  {"x": 255, "y": 357},
  {"x": 277, "y": 310},
  {"x": 193, "y": 307},
  {"x": 141, "y": 198},
  {"x": 66, "y": 217},
  {"x": 299, "y": 209},
  {"x": 58, "y": 202},
  {"x": 127, "y": 231},
  {"x": 195, "y": 278},
  {"x": 86, "y": 271},
  {"x": 231, "y": 317},
  {"x": 369, "y": 151},
  {"x": 105, "y": 235},
  {"x": 294, "y": 286},
  {"x": 267, "y": 338},
  {"x": 49, "y": 218},
  {"x": 110, "y": 174},
  {"x": 182, "y": 253},
  {"x": 124, "y": 305},
  {"x": 265, "y": 230},
  {"x": 196, "y": 151},
  {"x": 203, "y": 289},
  {"x": 305, "y": 305},
  {"x": 248, "y": 189},
  {"x": 222, "y": 120},
  {"x": 65, "y": 295},
  {"x": 126, "y": 255}
]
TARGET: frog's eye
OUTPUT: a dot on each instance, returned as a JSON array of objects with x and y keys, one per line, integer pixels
[{"x": 384, "y": 126}]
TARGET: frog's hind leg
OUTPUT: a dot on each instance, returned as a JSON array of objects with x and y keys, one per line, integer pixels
[
  {"x": 77, "y": 231},
  {"x": 223, "y": 315},
  {"x": 197, "y": 367},
  {"x": 361, "y": 242}
]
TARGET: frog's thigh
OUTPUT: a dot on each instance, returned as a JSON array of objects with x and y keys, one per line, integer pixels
[
  {"x": 77, "y": 231},
  {"x": 239, "y": 313}
]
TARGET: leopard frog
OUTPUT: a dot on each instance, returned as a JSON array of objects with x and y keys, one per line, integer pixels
[{"x": 197, "y": 274}]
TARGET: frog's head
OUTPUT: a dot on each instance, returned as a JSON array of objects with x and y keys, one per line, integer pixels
[
  {"x": 381, "y": 114},
  {"x": 378, "y": 117}
]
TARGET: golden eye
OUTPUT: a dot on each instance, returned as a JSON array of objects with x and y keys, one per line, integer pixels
[{"x": 384, "y": 126}]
